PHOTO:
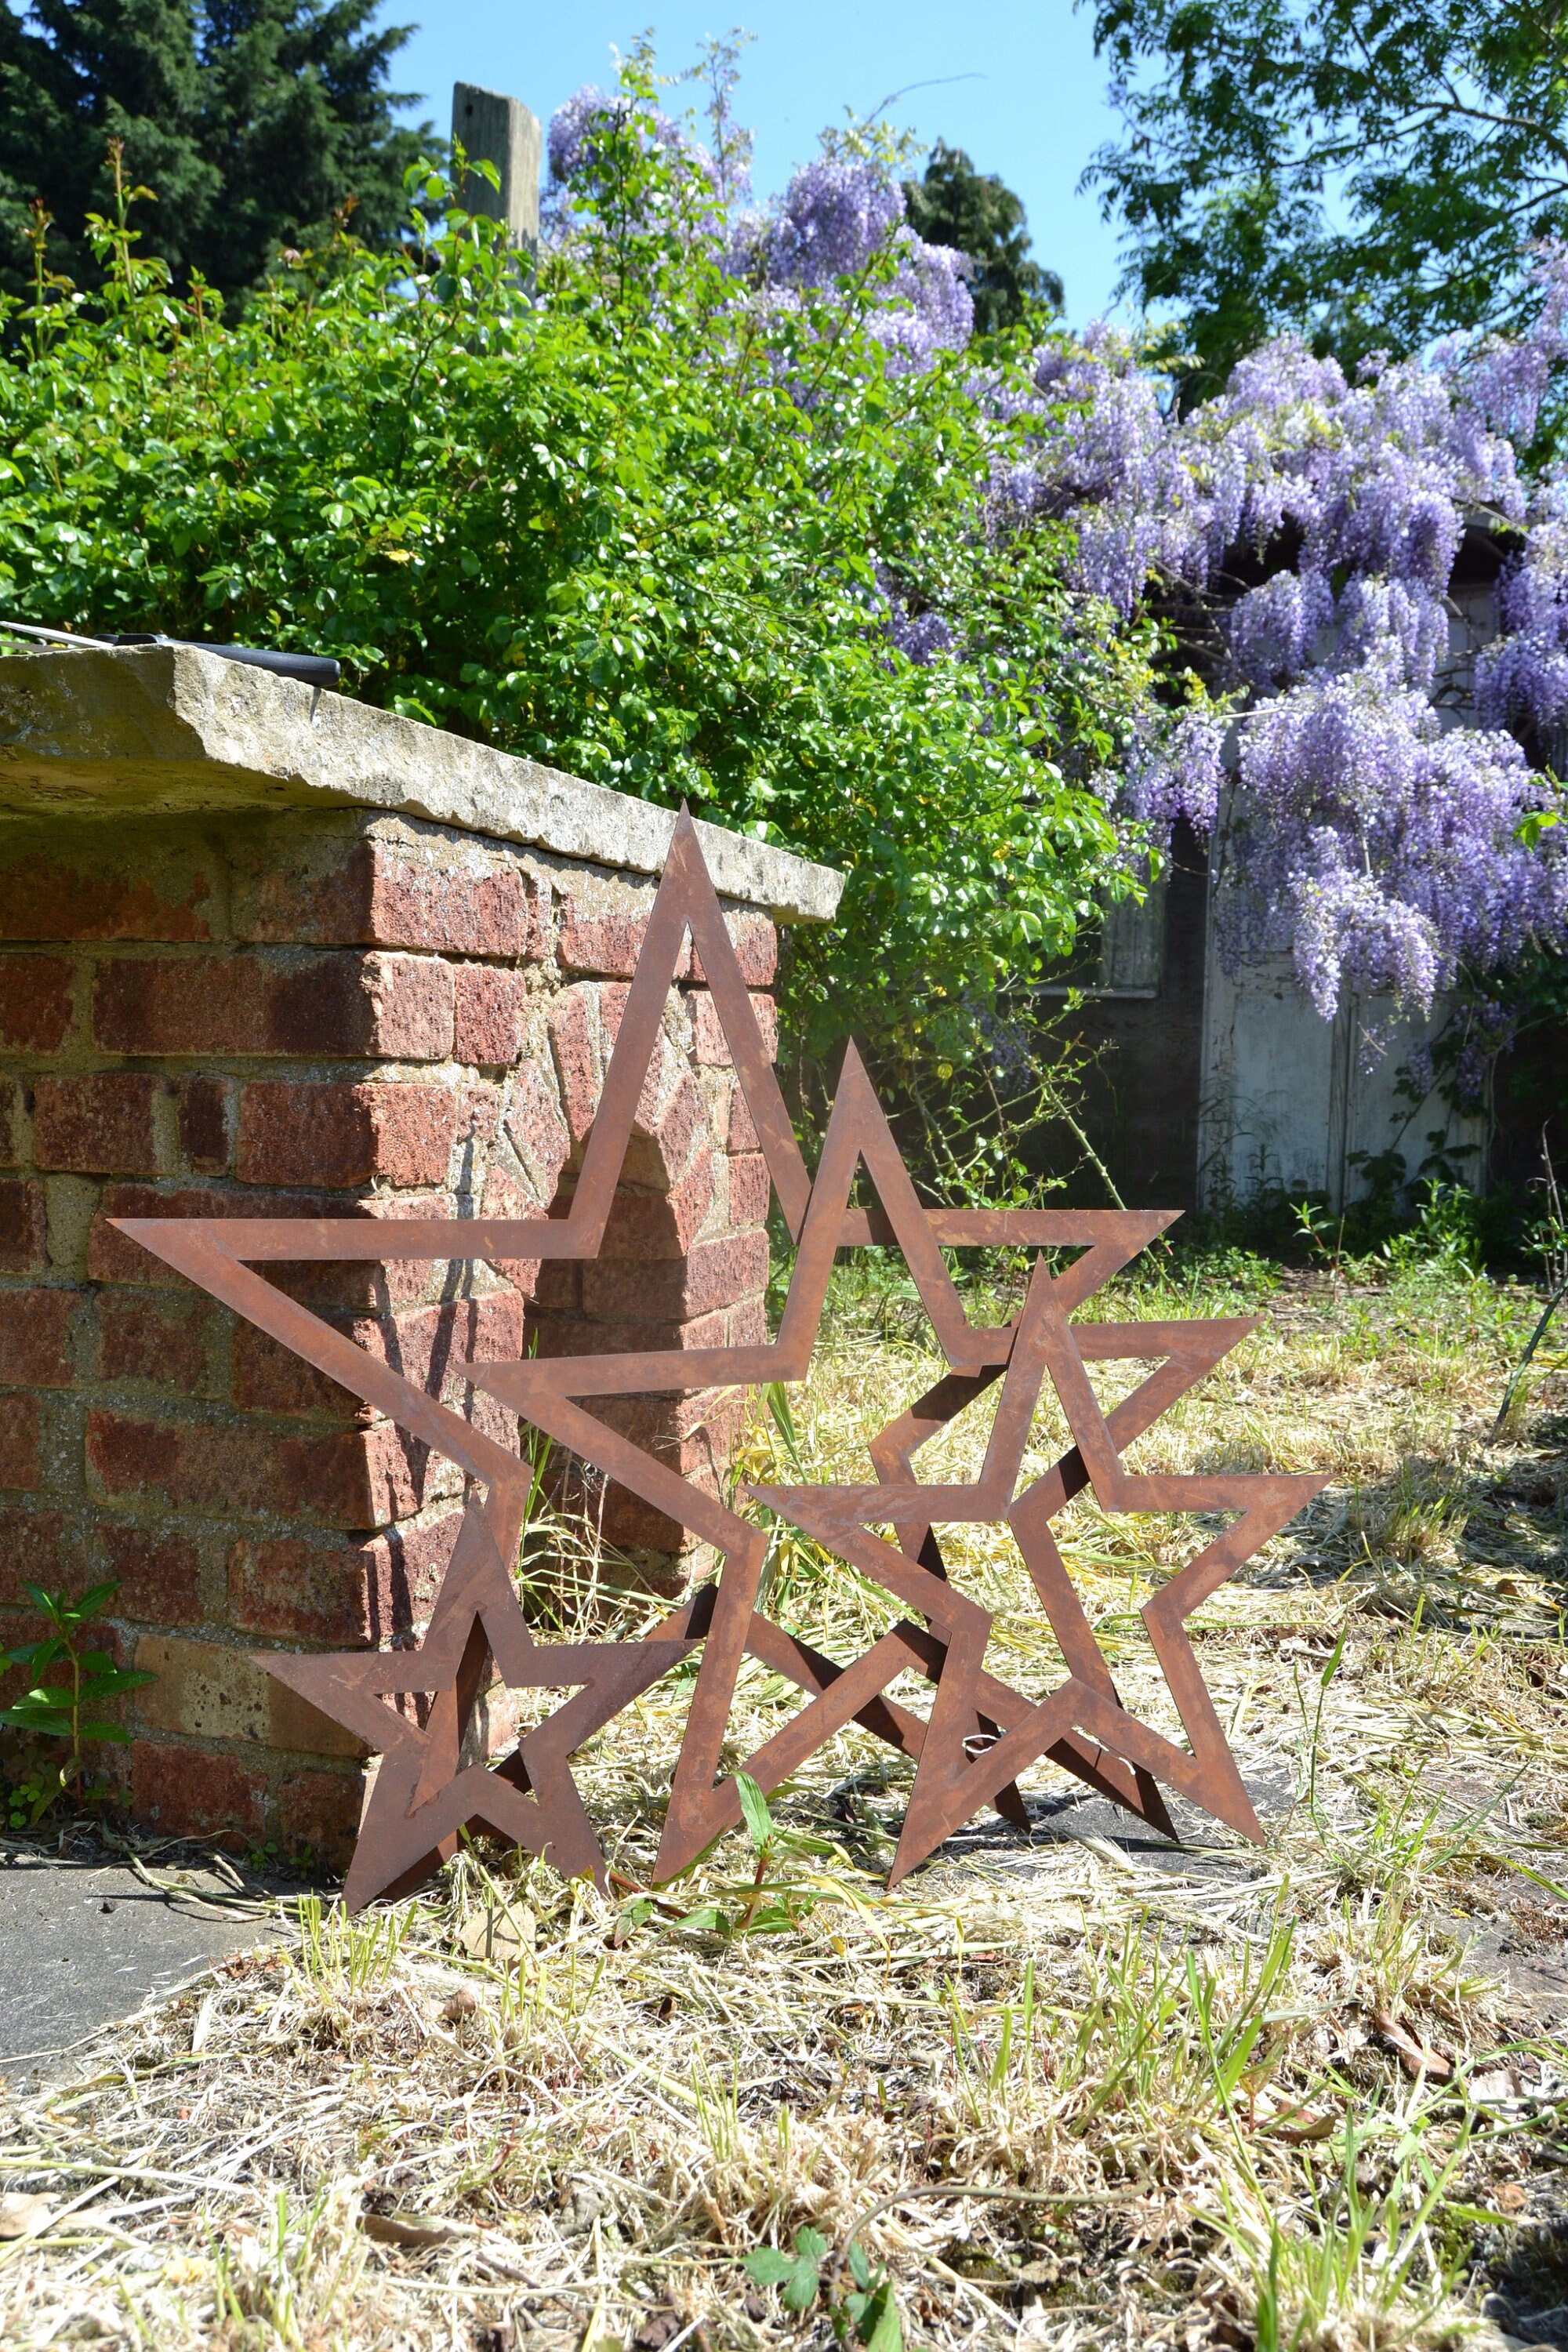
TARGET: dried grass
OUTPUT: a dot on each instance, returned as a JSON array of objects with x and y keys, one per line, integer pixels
[{"x": 1070, "y": 2091}]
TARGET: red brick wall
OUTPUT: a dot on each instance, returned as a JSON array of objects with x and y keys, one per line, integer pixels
[{"x": 300, "y": 1014}]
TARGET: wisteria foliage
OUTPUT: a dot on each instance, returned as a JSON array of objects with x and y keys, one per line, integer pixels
[{"x": 1386, "y": 834}]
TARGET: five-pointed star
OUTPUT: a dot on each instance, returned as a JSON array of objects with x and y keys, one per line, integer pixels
[
  {"x": 957, "y": 1773},
  {"x": 425, "y": 1791},
  {"x": 220, "y": 1254},
  {"x": 548, "y": 1392}
]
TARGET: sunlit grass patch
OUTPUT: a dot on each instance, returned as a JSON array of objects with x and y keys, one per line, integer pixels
[{"x": 1073, "y": 2089}]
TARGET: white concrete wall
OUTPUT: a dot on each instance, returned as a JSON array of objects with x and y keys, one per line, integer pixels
[{"x": 1286, "y": 1101}]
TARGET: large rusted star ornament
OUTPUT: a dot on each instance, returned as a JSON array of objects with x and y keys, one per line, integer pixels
[
  {"x": 435, "y": 1777},
  {"x": 431, "y": 1780}
]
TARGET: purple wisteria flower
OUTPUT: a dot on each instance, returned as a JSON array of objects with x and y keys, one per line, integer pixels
[
  {"x": 1381, "y": 849},
  {"x": 838, "y": 214}
]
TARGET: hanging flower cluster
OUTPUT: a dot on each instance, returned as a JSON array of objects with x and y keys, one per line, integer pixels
[
  {"x": 1378, "y": 839},
  {"x": 1382, "y": 836}
]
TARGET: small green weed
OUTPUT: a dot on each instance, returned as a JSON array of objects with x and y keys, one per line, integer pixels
[
  {"x": 68, "y": 1686},
  {"x": 867, "y": 2314}
]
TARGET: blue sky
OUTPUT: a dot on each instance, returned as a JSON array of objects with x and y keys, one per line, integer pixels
[{"x": 1031, "y": 105}]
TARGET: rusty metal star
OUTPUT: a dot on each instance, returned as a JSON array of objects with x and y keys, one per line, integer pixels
[
  {"x": 434, "y": 1779},
  {"x": 425, "y": 1789},
  {"x": 981, "y": 1733},
  {"x": 550, "y": 1392}
]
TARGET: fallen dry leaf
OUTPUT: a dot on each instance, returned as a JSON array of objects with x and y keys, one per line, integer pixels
[
  {"x": 1414, "y": 2056},
  {"x": 413, "y": 2229},
  {"x": 22, "y": 2216},
  {"x": 1300, "y": 2125}
]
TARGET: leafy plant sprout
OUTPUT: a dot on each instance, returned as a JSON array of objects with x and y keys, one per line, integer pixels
[{"x": 69, "y": 1684}]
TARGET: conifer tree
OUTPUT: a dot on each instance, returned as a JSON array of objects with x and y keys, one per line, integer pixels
[
  {"x": 978, "y": 215},
  {"x": 255, "y": 121}
]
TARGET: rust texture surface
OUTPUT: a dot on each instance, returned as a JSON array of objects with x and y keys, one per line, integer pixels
[{"x": 432, "y": 1779}]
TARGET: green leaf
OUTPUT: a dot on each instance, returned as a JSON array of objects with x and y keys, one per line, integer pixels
[
  {"x": 880, "y": 2326},
  {"x": 768, "y": 2265},
  {"x": 94, "y": 1599},
  {"x": 44, "y": 1721},
  {"x": 754, "y": 1807},
  {"x": 801, "y": 2286}
]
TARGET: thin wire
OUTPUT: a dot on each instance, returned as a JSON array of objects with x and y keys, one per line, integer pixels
[{"x": 57, "y": 636}]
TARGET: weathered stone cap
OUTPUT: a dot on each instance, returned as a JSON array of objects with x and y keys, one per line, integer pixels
[{"x": 154, "y": 729}]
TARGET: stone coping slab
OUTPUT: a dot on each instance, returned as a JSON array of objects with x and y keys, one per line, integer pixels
[{"x": 166, "y": 729}]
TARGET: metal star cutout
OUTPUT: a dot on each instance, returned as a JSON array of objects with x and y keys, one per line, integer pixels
[
  {"x": 433, "y": 1781},
  {"x": 981, "y": 1733},
  {"x": 549, "y": 1394},
  {"x": 434, "y": 1778},
  {"x": 427, "y": 1785}
]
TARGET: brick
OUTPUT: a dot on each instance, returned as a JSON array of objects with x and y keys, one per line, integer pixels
[
  {"x": 756, "y": 944},
  {"x": 23, "y": 1227},
  {"x": 145, "y": 1336},
  {"x": 439, "y": 893},
  {"x": 614, "y": 1514},
  {"x": 349, "y": 1478},
  {"x": 479, "y": 1111},
  {"x": 209, "y": 1690},
  {"x": 559, "y": 1289},
  {"x": 489, "y": 1015},
  {"x": 395, "y": 1005},
  {"x": 595, "y": 937},
  {"x": 684, "y": 1444},
  {"x": 571, "y": 1038},
  {"x": 682, "y": 1119},
  {"x": 711, "y": 1274},
  {"x": 205, "y": 1125},
  {"x": 707, "y": 1037},
  {"x": 739, "y": 1133},
  {"x": 746, "y": 1325},
  {"x": 503, "y": 1197},
  {"x": 535, "y": 1127},
  {"x": 407, "y": 1003},
  {"x": 35, "y": 1001},
  {"x": 423, "y": 1343},
  {"x": 159, "y": 1574},
  {"x": 566, "y": 1336},
  {"x": 341, "y": 1594},
  {"x": 190, "y": 1792},
  {"x": 21, "y": 1430},
  {"x": 751, "y": 1189},
  {"x": 100, "y": 1125},
  {"x": 645, "y": 1224},
  {"x": 38, "y": 1547},
  {"x": 318, "y": 1815},
  {"x": 10, "y": 1123},
  {"x": 39, "y": 900},
  {"x": 300, "y": 1133},
  {"x": 34, "y": 1345}
]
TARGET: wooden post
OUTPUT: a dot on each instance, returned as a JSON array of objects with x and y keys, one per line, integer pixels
[{"x": 493, "y": 128}]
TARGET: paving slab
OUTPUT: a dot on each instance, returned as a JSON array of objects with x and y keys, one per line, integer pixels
[{"x": 84, "y": 1944}]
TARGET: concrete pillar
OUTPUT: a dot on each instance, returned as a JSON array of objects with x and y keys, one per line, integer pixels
[{"x": 493, "y": 128}]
